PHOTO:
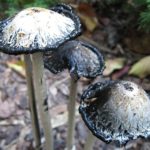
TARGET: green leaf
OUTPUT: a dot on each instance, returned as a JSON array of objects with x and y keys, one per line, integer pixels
[
  {"x": 17, "y": 66},
  {"x": 141, "y": 68},
  {"x": 113, "y": 64},
  {"x": 145, "y": 20}
]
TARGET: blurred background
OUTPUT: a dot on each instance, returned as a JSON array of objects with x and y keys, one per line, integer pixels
[{"x": 120, "y": 29}]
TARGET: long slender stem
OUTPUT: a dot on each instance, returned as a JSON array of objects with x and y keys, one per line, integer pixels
[
  {"x": 41, "y": 97},
  {"x": 121, "y": 148},
  {"x": 89, "y": 142},
  {"x": 32, "y": 102},
  {"x": 71, "y": 114}
]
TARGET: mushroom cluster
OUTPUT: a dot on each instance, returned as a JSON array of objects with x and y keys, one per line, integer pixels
[
  {"x": 82, "y": 60},
  {"x": 34, "y": 31},
  {"x": 114, "y": 111}
]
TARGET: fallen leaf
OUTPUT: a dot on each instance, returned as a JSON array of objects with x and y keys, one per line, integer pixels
[
  {"x": 88, "y": 16},
  {"x": 21, "y": 144},
  {"x": 6, "y": 109},
  {"x": 12, "y": 134},
  {"x": 53, "y": 90},
  {"x": 90, "y": 23},
  {"x": 64, "y": 89},
  {"x": 17, "y": 66},
  {"x": 59, "y": 115},
  {"x": 22, "y": 103},
  {"x": 141, "y": 68},
  {"x": 138, "y": 42},
  {"x": 113, "y": 64},
  {"x": 120, "y": 73}
]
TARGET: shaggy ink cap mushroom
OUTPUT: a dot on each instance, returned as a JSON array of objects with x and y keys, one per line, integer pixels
[
  {"x": 116, "y": 111},
  {"x": 81, "y": 58},
  {"x": 38, "y": 29}
]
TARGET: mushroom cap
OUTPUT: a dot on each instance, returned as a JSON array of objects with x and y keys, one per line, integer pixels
[
  {"x": 81, "y": 58},
  {"x": 116, "y": 111},
  {"x": 38, "y": 29}
]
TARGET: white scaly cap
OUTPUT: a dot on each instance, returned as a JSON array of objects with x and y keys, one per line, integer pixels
[
  {"x": 38, "y": 29},
  {"x": 116, "y": 111}
]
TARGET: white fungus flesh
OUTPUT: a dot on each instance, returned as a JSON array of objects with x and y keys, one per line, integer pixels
[{"x": 116, "y": 111}]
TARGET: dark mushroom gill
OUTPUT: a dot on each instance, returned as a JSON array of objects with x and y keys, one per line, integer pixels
[
  {"x": 116, "y": 111},
  {"x": 81, "y": 58}
]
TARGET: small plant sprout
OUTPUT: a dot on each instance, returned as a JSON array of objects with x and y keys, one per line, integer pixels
[
  {"x": 34, "y": 31},
  {"x": 82, "y": 60},
  {"x": 116, "y": 111}
]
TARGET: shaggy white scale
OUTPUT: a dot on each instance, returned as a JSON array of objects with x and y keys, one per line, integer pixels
[
  {"x": 119, "y": 112},
  {"x": 37, "y": 26}
]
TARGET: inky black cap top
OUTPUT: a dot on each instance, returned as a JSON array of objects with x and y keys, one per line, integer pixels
[{"x": 81, "y": 58}]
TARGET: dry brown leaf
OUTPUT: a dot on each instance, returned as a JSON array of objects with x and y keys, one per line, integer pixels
[
  {"x": 90, "y": 23},
  {"x": 88, "y": 16},
  {"x": 138, "y": 43},
  {"x": 141, "y": 68}
]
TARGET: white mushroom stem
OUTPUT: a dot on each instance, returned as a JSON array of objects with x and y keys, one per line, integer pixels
[
  {"x": 71, "y": 114},
  {"x": 121, "y": 148},
  {"x": 89, "y": 141},
  {"x": 32, "y": 102},
  {"x": 41, "y": 97}
]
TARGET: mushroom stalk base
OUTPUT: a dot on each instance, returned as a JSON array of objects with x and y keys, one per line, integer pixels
[
  {"x": 89, "y": 141},
  {"x": 41, "y": 97},
  {"x": 32, "y": 102},
  {"x": 71, "y": 114}
]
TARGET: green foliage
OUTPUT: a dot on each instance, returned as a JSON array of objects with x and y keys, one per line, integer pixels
[
  {"x": 145, "y": 18},
  {"x": 139, "y": 2},
  {"x": 9, "y": 7},
  {"x": 12, "y": 6},
  {"x": 109, "y": 2},
  {"x": 137, "y": 8},
  {"x": 106, "y": 3}
]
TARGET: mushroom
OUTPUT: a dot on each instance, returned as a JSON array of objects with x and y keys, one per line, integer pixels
[
  {"x": 37, "y": 30},
  {"x": 116, "y": 111},
  {"x": 32, "y": 102},
  {"x": 82, "y": 60}
]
